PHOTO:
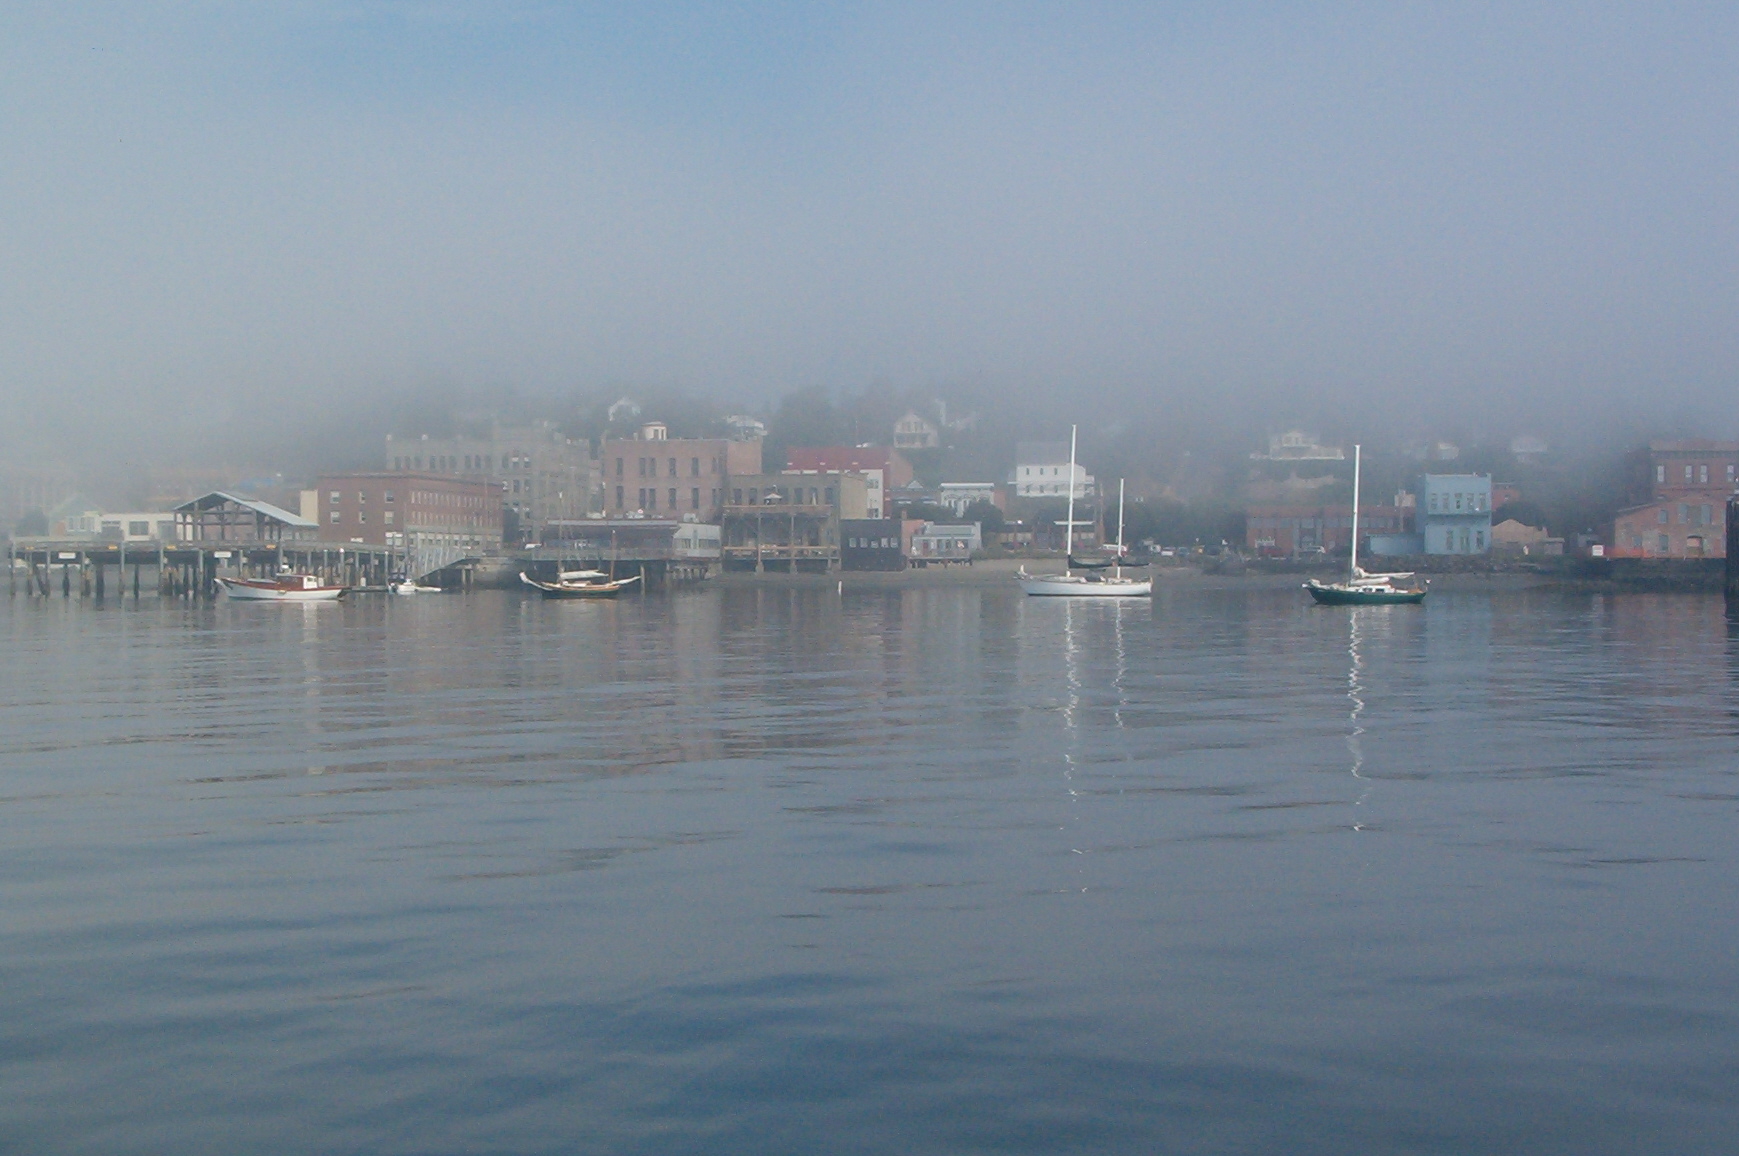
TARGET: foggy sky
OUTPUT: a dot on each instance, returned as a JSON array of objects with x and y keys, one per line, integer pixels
[{"x": 1475, "y": 217}]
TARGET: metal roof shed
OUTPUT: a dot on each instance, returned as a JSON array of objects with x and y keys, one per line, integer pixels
[{"x": 221, "y": 517}]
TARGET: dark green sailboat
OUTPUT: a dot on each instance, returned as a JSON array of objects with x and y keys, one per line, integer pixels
[{"x": 1360, "y": 588}]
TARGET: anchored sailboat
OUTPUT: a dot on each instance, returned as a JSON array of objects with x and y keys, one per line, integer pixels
[
  {"x": 1095, "y": 584},
  {"x": 1360, "y": 588}
]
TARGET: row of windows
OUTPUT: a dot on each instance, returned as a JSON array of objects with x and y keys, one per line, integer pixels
[
  {"x": 452, "y": 463},
  {"x": 648, "y": 467},
  {"x": 648, "y": 498},
  {"x": 1465, "y": 503},
  {"x": 1464, "y": 541},
  {"x": 1696, "y": 474},
  {"x": 361, "y": 517},
  {"x": 795, "y": 495},
  {"x": 419, "y": 498},
  {"x": 1688, "y": 515},
  {"x": 1662, "y": 544},
  {"x": 873, "y": 543}
]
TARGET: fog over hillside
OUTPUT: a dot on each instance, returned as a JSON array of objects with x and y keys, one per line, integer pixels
[{"x": 276, "y": 232}]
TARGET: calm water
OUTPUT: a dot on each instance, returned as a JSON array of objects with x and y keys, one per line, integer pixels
[{"x": 770, "y": 871}]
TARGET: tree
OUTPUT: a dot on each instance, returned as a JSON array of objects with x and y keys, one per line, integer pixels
[
  {"x": 806, "y": 417},
  {"x": 986, "y": 514},
  {"x": 32, "y": 524}
]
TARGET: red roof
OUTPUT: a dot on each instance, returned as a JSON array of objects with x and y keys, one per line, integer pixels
[{"x": 833, "y": 459}]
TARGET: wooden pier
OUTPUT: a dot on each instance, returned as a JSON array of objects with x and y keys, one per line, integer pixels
[{"x": 44, "y": 567}]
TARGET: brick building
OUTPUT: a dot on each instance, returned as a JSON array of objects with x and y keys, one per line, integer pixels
[
  {"x": 657, "y": 475},
  {"x": 883, "y": 468},
  {"x": 1283, "y": 530},
  {"x": 422, "y": 513},
  {"x": 543, "y": 476},
  {"x": 1682, "y": 487}
]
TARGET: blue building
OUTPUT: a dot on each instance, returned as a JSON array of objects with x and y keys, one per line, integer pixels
[{"x": 1454, "y": 513}]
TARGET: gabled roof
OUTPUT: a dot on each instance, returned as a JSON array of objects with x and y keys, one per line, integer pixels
[{"x": 218, "y": 497}]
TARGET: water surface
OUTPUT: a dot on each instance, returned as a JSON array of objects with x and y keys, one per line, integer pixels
[{"x": 769, "y": 870}]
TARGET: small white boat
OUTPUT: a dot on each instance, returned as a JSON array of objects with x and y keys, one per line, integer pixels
[
  {"x": 1094, "y": 583},
  {"x": 409, "y": 586},
  {"x": 580, "y": 584},
  {"x": 285, "y": 587}
]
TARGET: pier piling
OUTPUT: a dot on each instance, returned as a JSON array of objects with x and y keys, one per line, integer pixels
[{"x": 1731, "y": 584}]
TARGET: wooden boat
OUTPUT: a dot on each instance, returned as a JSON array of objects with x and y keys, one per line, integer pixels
[
  {"x": 285, "y": 587},
  {"x": 1360, "y": 588},
  {"x": 580, "y": 584},
  {"x": 1093, "y": 584}
]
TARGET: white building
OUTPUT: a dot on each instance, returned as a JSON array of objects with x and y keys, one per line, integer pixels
[
  {"x": 1041, "y": 470},
  {"x": 939, "y": 543},
  {"x": 957, "y": 496},
  {"x": 1295, "y": 445},
  {"x": 914, "y": 433}
]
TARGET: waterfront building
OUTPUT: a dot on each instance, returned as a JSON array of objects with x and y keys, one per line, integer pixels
[
  {"x": 1513, "y": 537},
  {"x": 790, "y": 521},
  {"x": 883, "y": 469},
  {"x": 655, "y": 475},
  {"x": 542, "y": 475},
  {"x": 875, "y": 543},
  {"x": 220, "y": 517},
  {"x": 1284, "y": 530},
  {"x": 1454, "y": 513},
  {"x": 427, "y": 515},
  {"x": 945, "y": 542},
  {"x": 1671, "y": 529},
  {"x": 1695, "y": 470}
]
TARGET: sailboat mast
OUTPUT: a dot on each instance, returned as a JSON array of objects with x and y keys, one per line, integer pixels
[
  {"x": 1119, "y": 570},
  {"x": 1354, "y": 571},
  {"x": 1069, "y": 529}
]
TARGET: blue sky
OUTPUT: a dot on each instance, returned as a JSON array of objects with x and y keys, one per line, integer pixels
[{"x": 1515, "y": 214}]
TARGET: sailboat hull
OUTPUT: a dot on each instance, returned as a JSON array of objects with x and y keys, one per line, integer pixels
[
  {"x": 1077, "y": 586},
  {"x": 1334, "y": 594}
]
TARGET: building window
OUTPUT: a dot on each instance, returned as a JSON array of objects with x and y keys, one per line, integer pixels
[
  {"x": 388, "y": 497},
  {"x": 335, "y": 517},
  {"x": 736, "y": 497},
  {"x": 673, "y": 467},
  {"x": 389, "y": 517},
  {"x": 1702, "y": 475},
  {"x": 694, "y": 467},
  {"x": 362, "y": 517},
  {"x": 694, "y": 497},
  {"x": 1665, "y": 544},
  {"x": 620, "y": 495},
  {"x": 335, "y": 497},
  {"x": 1660, "y": 475},
  {"x": 673, "y": 490}
]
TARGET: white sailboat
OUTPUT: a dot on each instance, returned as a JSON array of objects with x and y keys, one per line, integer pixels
[{"x": 1092, "y": 584}]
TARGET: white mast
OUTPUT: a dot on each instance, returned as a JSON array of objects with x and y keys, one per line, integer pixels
[
  {"x": 1119, "y": 570},
  {"x": 1069, "y": 532},
  {"x": 1355, "y": 553}
]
